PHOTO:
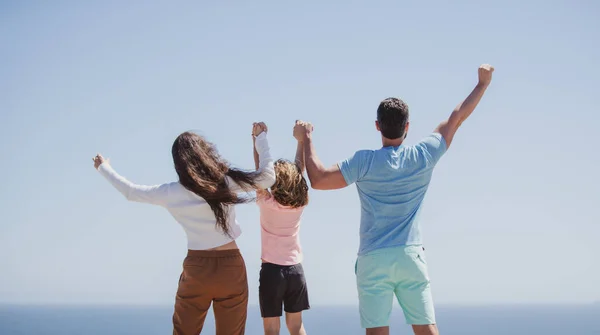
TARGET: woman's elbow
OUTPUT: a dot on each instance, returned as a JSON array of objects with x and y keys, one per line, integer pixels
[
  {"x": 131, "y": 196},
  {"x": 267, "y": 180}
]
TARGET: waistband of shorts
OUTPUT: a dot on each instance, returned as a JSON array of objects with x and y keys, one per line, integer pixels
[
  {"x": 214, "y": 253},
  {"x": 392, "y": 249},
  {"x": 278, "y": 266}
]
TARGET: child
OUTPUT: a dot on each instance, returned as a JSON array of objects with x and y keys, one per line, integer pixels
[{"x": 282, "y": 279}]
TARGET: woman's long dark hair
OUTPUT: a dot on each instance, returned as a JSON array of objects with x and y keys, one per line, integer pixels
[{"x": 202, "y": 171}]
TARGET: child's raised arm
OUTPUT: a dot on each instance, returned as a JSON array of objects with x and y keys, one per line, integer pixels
[
  {"x": 300, "y": 149},
  {"x": 300, "y": 156}
]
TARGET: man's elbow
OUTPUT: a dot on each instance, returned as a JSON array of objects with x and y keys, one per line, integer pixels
[
  {"x": 315, "y": 181},
  {"x": 317, "y": 185},
  {"x": 320, "y": 182}
]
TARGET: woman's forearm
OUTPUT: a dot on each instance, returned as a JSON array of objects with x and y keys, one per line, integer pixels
[{"x": 256, "y": 157}]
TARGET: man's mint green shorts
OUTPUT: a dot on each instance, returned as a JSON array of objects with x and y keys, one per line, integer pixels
[{"x": 399, "y": 271}]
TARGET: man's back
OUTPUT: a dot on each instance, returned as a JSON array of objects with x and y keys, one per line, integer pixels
[{"x": 391, "y": 184}]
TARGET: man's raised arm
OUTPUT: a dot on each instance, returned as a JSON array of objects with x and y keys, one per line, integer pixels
[
  {"x": 321, "y": 178},
  {"x": 449, "y": 127}
]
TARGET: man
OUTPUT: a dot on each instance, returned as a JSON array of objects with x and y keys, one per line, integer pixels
[{"x": 391, "y": 183}]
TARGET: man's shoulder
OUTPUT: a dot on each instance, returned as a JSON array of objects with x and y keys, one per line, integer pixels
[
  {"x": 433, "y": 141},
  {"x": 361, "y": 155},
  {"x": 365, "y": 152}
]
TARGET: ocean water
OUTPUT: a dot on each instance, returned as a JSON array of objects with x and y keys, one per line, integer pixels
[{"x": 320, "y": 320}]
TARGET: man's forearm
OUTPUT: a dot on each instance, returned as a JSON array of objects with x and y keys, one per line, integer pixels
[
  {"x": 465, "y": 108},
  {"x": 300, "y": 156},
  {"x": 450, "y": 126},
  {"x": 314, "y": 167}
]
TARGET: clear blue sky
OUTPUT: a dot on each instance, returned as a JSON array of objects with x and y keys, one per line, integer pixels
[{"x": 512, "y": 212}]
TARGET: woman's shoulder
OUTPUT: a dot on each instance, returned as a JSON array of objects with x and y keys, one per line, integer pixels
[{"x": 177, "y": 191}]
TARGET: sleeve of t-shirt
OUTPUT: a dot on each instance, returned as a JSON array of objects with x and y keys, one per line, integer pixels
[
  {"x": 355, "y": 168},
  {"x": 432, "y": 148}
]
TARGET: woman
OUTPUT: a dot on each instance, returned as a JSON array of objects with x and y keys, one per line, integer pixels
[{"x": 202, "y": 202}]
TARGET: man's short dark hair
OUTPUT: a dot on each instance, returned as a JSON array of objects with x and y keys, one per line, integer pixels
[{"x": 392, "y": 115}]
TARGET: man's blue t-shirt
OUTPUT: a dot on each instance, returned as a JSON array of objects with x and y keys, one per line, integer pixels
[{"x": 391, "y": 184}]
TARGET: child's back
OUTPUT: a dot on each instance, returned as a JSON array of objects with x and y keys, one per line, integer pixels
[{"x": 280, "y": 228}]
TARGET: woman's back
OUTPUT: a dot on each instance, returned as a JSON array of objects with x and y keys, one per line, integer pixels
[
  {"x": 198, "y": 220},
  {"x": 189, "y": 209}
]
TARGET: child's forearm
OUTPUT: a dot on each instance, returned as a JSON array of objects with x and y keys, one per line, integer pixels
[{"x": 300, "y": 156}]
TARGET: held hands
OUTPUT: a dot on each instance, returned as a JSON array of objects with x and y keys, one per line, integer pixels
[
  {"x": 485, "y": 74},
  {"x": 258, "y": 128},
  {"x": 302, "y": 130},
  {"x": 98, "y": 160}
]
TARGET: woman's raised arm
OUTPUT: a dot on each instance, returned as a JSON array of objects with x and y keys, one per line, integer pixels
[{"x": 156, "y": 194}]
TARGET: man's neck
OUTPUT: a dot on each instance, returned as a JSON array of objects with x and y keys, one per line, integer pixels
[{"x": 392, "y": 143}]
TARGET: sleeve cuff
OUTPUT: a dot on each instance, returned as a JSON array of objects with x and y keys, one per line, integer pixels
[
  {"x": 261, "y": 142},
  {"x": 261, "y": 135},
  {"x": 343, "y": 171},
  {"x": 105, "y": 169},
  {"x": 442, "y": 140}
]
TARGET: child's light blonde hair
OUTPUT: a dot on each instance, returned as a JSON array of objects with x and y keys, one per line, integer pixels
[{"x": 290, "y": 188}]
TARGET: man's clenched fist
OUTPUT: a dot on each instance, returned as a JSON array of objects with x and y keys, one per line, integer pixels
[{"x": 485, "y": 74}]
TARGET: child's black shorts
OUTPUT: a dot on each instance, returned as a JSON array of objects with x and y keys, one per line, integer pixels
[{"x": 282, "y": 284}]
